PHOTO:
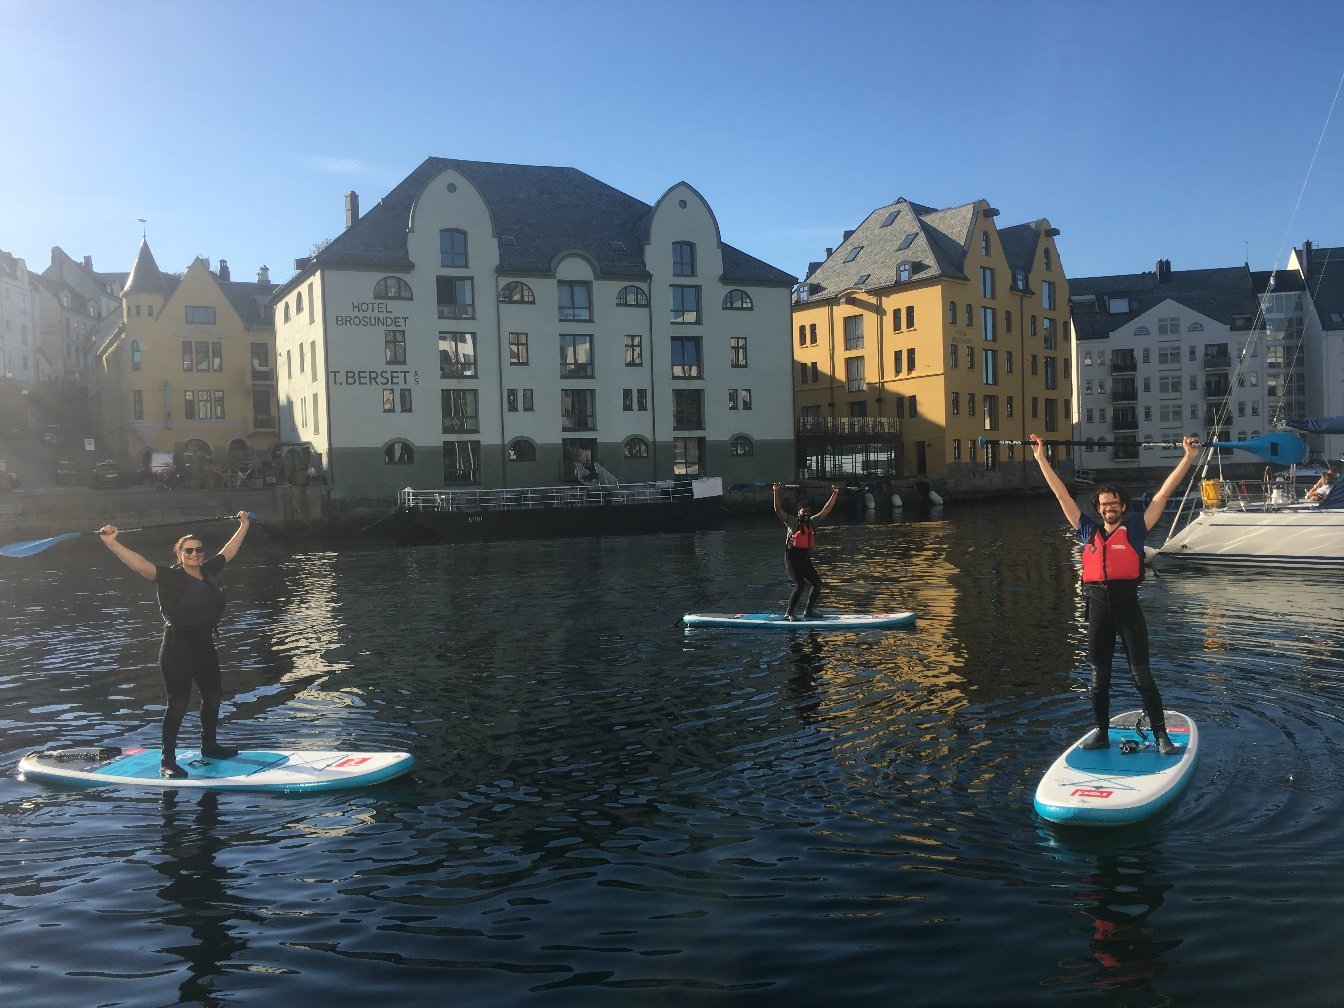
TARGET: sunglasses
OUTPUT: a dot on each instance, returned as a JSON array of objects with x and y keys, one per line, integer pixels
[{"x": 193, "y": 549}]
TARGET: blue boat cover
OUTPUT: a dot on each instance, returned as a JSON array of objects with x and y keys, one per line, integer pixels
[{"x": 1319, "y": 425}]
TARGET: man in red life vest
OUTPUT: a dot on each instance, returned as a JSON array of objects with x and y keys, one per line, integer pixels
[
  {"x": 798, "y": 543},
  {"x": 1112, "y": 569}
]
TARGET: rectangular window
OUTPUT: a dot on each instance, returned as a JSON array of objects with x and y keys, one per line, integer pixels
[
  {"x": 511, "y": 400},
  {"x": 1008, "y": 362},
  {"x": 1052, "y": 415},
  {"x": 688, "y": 409},
  {"x": 688, "y": 455},
  {"x": 457, "y": 355},
  {"x": 1051, "y": 374},
  {"x": 990, "y": 366},
  {"x": 261, "y": 362},
  {"x": 1169, "y": 327},
  {"x": 1048, "y": 333},
  {"x": 452, "y": 249},
  {"x": 746, "y": 398},
  {"x": 732, "y": 398},
  {"x": 686, "y": 357},
  {"x": 262, "y": 416},
  {"x": 683, "y": 259},
  {"x": 529, "y": 403},
  {"x": 188, "y": 355},
  {"x": 1036, "y": 409},
  {"x": 1008, "y": 408},
  {"x": 802, "y": 374},
  {"x": 578, "y": 409},
  {"x": 910, "y": 361},
  {"x": 685, "y": 309},
  {"x": 642, "y": 400},
  {"x": 576, "y": 301},
  {"x": 897, "y": 361},
  {"x": 461, "y": 463},
  {"x": 576, "y": 355},
  {"x": 1033, "y": 366},
  {"x": 987, "y": 323},
  {"x": 909, "y": 316},
  {"x": 738, "y": 350},
  {"x": 914, "y": 409},
  {"x": 200, "y": 315},
  {"x": 952, "y": 355},
  {"x": 634, "y": 350},
  {"x": 189, "y": 405},
  {"x": 403, "y": 399},
  {"x": 853, "y": 332},
  {"x": 1048, "y": 295},
  {"x": 302, "y": 358},
  {"x": 956, "y": 449},
  {"x": 389, "y": 400},
  {"x": 394, "y": 346},
  {"x": 854, "y": 377},
  {"x": 956, "y": 403},
  {"x": 460, "y": 410},
  {"x": 628, "y": 400},
  {"x": 517, "y": 349},
  {"x": 456, "y": 297},
  {"x": 970, "y": 404},
  {"x": 991, "y": 405},
  {"x": 987, "y": 282},
  {"x": 312, "y": 356},
  {"x": 138, "y": 404},
  {"x": 1169, "y": 356}
]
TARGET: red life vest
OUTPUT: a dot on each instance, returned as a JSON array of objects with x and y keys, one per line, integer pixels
[
  {"x": 805, "y": 537},
  {"x": 1111, "y": 559}
]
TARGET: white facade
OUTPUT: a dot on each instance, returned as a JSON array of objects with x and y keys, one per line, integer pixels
[
  {"x": 1165, "y": 374},
  {"x": 19, "y": 322},
  {"x": 457, "y": 372}
]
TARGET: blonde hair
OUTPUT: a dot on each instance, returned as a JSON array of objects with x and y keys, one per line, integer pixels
[{"x": 177, "y": 546}]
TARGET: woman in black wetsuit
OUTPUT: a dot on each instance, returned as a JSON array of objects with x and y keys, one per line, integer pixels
[
  {"x": 191, "y": 598},
  {"x": 798, "y": 543}
]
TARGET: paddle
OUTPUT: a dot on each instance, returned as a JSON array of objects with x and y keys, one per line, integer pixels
[
  {"x": 34, "y": 546},
  {"x": 1280, "y": 447}
]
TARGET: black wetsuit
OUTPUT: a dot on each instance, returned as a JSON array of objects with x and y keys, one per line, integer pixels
[
  {"x": 798, "y": 565},
  {"x": 191, "y": 611}
]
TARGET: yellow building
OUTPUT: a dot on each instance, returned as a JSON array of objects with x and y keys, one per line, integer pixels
[
  {"x": 190, "y": 369},
  {"x": 924, "y": 332}
]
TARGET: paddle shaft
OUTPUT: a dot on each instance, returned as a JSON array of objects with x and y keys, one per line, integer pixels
[
  {"x": 177, "y": 524},
  {"x": 32, "y": 547}
]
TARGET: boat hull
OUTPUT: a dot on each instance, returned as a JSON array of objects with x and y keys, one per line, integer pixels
[
  {"x": 1295, "y": 536},
  {"x": 549, "y": 513}
]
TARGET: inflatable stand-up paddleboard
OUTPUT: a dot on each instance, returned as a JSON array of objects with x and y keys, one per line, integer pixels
[
  {"x": 250, "y": 770},
  {"x": 1126, "y": 783},
  {"x": 776, "y": 621}
]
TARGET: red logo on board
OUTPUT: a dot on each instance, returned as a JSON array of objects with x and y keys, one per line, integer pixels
[
  {"x": 1090, "y": 793},
  {"x": 352, "y": 761}
]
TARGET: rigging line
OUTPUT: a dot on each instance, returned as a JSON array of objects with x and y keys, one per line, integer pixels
[{"x": 1310, "y": 166}]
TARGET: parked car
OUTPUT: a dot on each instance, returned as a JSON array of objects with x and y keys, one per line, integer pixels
[
  {"x": 66, "y": 473},
  {"x": 107, "y": 474}
]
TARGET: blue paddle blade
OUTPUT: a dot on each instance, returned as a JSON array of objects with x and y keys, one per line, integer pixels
[
  {"x": 1279, "y": 447},
  {"x": 32, "y": 546}
]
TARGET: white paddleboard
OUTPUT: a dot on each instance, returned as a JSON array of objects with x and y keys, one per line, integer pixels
[
  {"x": 1113, "y": 787},
  {"x": 250, "y": 770},
  {"x": 776, "y": 621}
]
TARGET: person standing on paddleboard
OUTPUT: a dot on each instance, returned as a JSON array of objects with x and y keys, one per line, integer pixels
[
  {"x": 1113, "y": 559},
  {"x": 191, "y": 598},
  {"x": 798, "y": 543}
]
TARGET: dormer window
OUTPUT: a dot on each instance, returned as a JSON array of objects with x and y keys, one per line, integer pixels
[
  {"x": 1117, "y": 305},
  {"x": 903, "y": 272}
]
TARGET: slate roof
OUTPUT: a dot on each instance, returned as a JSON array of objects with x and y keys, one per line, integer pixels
[
  {"x": 145, "y": 276},
  {"x": 1219, "y": 294},
  {"x": 935, "y": 244},
  {"x": 546, "y": 211}
]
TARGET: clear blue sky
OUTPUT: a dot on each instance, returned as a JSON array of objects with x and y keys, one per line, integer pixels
[{"x": 1153, "y": 129}]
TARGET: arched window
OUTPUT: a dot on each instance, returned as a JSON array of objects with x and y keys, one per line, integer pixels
[
  {"x": 522, "y": 450},
  {"x": 683, "y": 258},
  {"x": 984, "y": 243},
  {"x": 1142, "y": 331},
  {"x": 399, "y": 453},
  {"x": 392, "y": 288},
  {"x": 1196, "y": 327},
  {"x": 517, "y": 292},
  {"x": 636, "y": 447},
  {"x": 195, "y": 446},
  {"x": 452, "y": 247},
  {"x": 298, "y": 303},
  {"x": 737, "y": 300},
  {"x": 970, "y": 316},
  {"x": 632, "y": 297},
  {"x": 741, "y": 445},
  {"x": 286, "y": 311}
]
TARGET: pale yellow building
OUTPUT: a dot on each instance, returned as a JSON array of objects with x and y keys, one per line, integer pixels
[
  {"x": 924, "y": 332},
  {"x": 191, "y": 367}
]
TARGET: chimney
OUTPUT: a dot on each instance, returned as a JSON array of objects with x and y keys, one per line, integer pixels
[
  {"x": 88, "y": 262},
  {"x": 847, "y": 235},
  {"x": 829, "y": 253},
  {"x": 1163, "y": 270},
  {"x": 224, "y": 270},
  {"x": 1306, "y": 258},
  {"x": 264, "y": 275},
  {"x": 351, "y": 208}
]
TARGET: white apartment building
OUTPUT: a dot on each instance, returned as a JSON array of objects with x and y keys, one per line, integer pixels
[
  {"x": 19, "y": 322},
  {"x": 497, "y": 325}
]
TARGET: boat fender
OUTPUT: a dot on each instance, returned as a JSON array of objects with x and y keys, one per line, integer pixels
[
  {"x": 896, "y": 504},
  {"x": 934, "y": 499},
  {"x": 869, "y": 501}
]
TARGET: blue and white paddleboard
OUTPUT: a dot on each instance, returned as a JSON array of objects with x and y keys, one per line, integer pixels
[
  {"x": 1124, "y": 784},
  {"x": 776, "y": 621},
  {"x": 250, "y": 770}
]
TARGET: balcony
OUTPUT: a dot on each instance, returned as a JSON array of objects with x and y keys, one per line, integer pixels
[
  {"x": 849, "y": 425},
  {"x": 457, "y": 311},
  {"x": 263, "y": 423},
  {"x": 1124, "y": 363},
  {"x": 1217, "y": 389},
  {"x": 263, "y": 375},
  {"x": 1124, "y": 391},
  {"x": 1124, "y": 422},
  {"x": 1217, "y": 360}
]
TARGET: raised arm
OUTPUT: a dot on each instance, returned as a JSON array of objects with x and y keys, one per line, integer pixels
[
  {"x": 230, "y": 548},
  {"x": 1066, "y": 502},
  {"x": 779, "y": 508},
  {"x": 826, "y": 508},
  {"x": 128, "y": 556},
  {"x": 1159, "y": 502}
]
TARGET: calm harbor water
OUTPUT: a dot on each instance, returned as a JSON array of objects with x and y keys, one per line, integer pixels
[{"x": 611, "y": 810}]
